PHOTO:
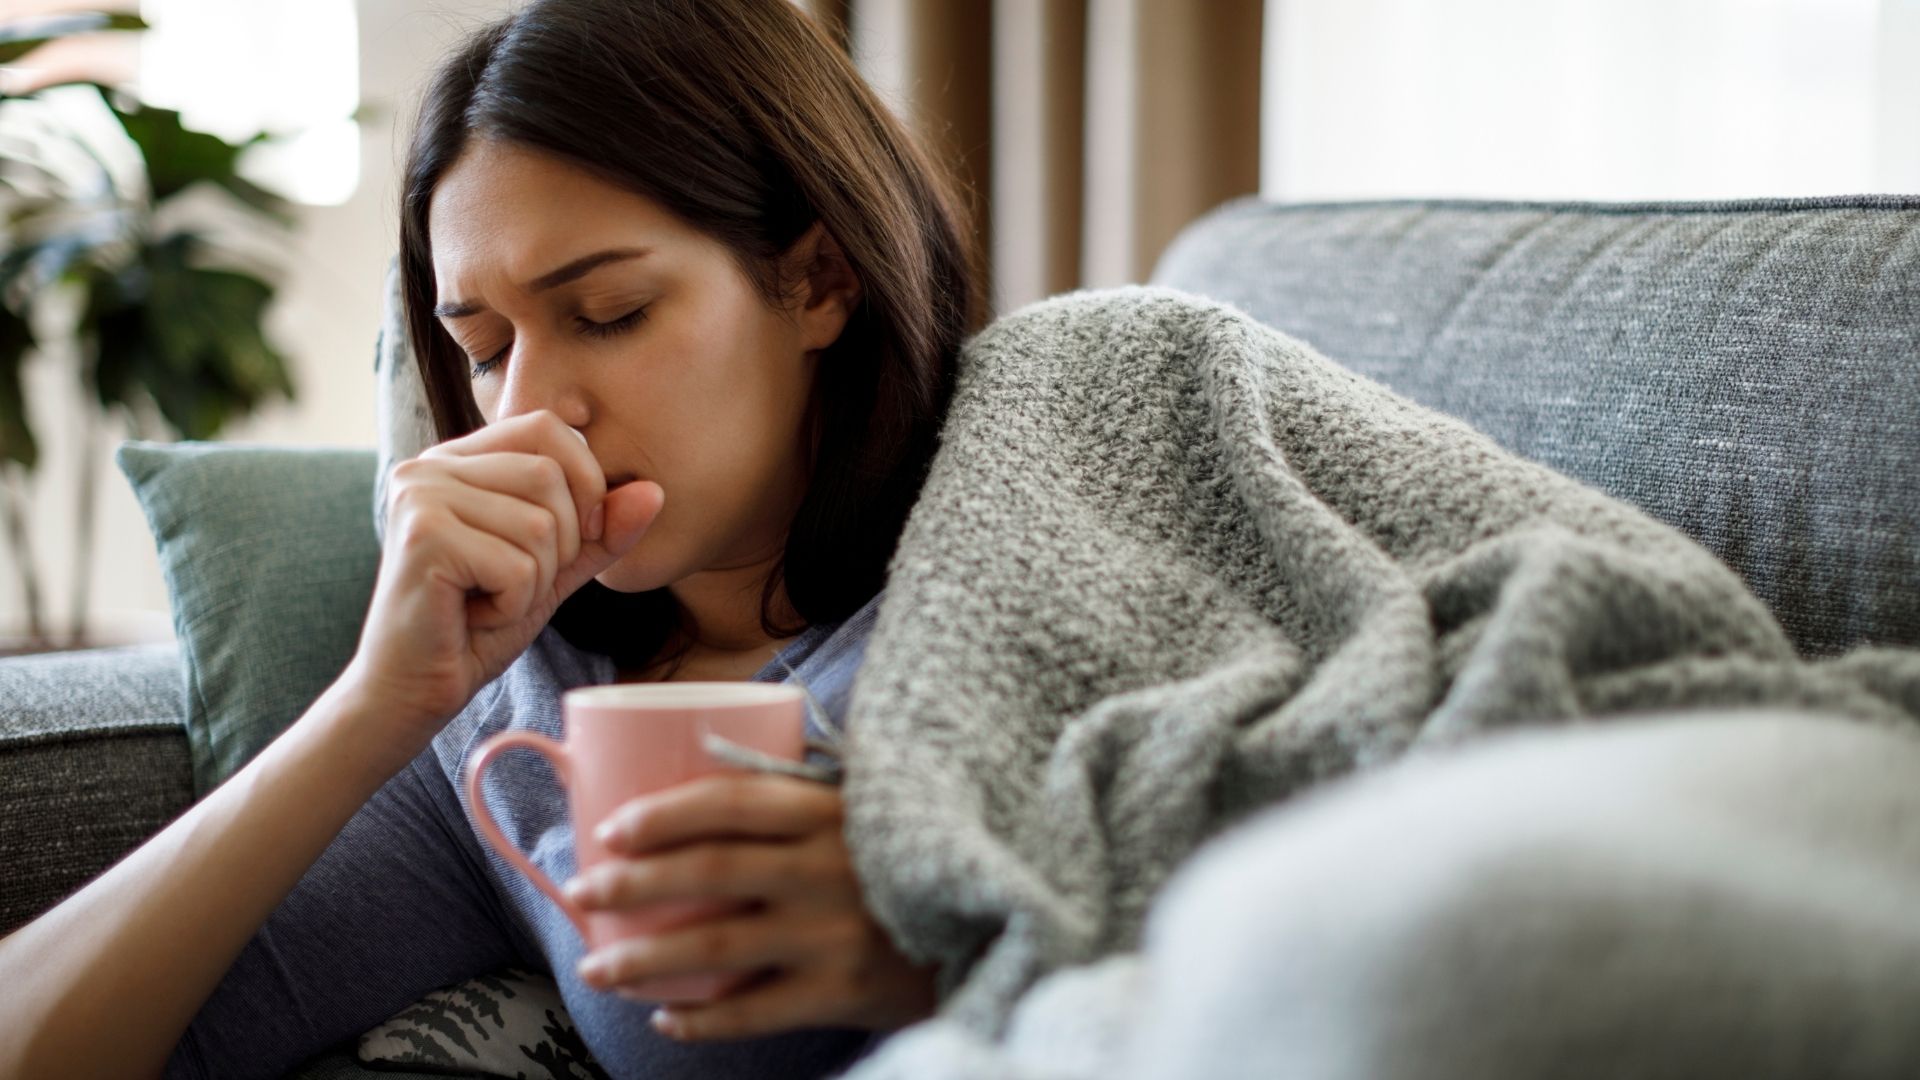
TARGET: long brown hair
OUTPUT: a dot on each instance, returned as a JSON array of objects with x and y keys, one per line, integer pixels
[{"x": 744, "y": 119}]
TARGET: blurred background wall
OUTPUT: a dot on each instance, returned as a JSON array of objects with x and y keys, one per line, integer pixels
[{"x": 1087, "y": 131}]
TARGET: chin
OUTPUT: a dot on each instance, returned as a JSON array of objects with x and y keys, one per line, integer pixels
[
  {"x": 639, "y": 570},
  {"x": 627, "y": 581}
]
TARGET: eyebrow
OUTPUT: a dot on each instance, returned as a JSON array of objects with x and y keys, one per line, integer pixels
[{"x": 552, "y": 279}]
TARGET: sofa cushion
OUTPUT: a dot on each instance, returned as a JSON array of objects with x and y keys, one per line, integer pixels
[
  {"x": 270, "y": 559},
  {"x": 59, "y": 696},
  {"x": 93, "y": 760},
  {"x": 1748, "y": 372}
]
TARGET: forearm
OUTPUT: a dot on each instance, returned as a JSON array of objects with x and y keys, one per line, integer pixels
[{"x": 105, "y": 983}]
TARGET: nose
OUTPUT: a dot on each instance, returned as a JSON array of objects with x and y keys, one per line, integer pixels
[{"x": 536, "y": 379}]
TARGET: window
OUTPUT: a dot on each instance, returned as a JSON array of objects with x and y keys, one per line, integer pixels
[{"x": 290, "y": 67}]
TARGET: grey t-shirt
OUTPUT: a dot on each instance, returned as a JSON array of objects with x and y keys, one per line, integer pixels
[
  {"x": 408, "y": 898},
  {"x": 521, "y": 789}
]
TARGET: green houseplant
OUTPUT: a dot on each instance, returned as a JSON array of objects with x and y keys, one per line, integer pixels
[{"x": 138, "y": 239}]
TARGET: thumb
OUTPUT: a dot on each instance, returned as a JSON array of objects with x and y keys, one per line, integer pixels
[
  {"x": 630, "y": 510},
  {"x": 627, "y": 513}
]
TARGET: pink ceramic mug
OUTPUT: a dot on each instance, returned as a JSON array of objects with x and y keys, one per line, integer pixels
[{"x": 627, "y": 740}]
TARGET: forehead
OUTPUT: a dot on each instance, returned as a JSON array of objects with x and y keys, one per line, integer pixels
[{"x": 504, "y": 209}]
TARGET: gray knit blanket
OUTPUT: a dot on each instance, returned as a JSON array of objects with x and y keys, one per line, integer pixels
[{"x": 1172, "y": 566}]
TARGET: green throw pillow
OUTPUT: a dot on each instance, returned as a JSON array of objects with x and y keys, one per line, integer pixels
[{"x": 270, "y": 557}]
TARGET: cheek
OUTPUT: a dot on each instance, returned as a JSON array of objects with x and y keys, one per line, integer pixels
[
  {"x": 735, "y": 386},
  {"x": 714, "y": 401}
]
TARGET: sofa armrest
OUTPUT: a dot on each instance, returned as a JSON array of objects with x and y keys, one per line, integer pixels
[{"x": 93, "y": 760}]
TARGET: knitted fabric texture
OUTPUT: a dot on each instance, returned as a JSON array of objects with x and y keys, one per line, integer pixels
[{"x": 1171, "y": 566}]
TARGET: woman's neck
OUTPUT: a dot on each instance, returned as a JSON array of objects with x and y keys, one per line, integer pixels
[
  {"x": 722, "y": 635},
  {"x": 696, "y": 665},
  {"x": 723, "y": 609}
]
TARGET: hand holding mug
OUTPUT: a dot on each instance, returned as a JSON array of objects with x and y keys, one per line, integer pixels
[
  {"x": 773, "y": 845},
  {"x": 627, "y": 740}
]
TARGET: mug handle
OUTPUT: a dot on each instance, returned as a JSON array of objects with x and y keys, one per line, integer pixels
[{"x": 556, "y": 755}]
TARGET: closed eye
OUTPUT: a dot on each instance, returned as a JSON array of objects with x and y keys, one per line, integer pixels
[
  {"x": 608, "y": 329},
  {"x": 584, "y": 325},
  {"x": 482, "y": 367}
]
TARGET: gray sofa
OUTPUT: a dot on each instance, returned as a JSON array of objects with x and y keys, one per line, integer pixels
[{"x": 1748, "y": 372}]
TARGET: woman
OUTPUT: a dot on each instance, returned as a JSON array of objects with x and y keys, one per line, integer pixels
[
  {"x": 688, "y": 304},
  {"x": 687, "y": 301}
]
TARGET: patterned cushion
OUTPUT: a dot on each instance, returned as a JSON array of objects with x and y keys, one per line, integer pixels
[{"x": 510, "y": 1023}]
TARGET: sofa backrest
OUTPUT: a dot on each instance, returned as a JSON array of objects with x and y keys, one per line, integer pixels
[{"x": 1747, "y": 372}]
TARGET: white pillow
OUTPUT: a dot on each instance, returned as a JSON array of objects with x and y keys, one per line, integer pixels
[{"x": 400, "y": 399}]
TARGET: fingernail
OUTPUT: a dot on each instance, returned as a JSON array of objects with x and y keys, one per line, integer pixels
[
  {"x": 595, "y": 519},
  {"x": 609, "y": 833},
  {"x": 594, "y": 968},
  {"x": 580, "y": 891}
]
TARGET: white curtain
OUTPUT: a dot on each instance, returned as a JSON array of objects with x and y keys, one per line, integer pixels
[{"x": 1591, "y": 99}]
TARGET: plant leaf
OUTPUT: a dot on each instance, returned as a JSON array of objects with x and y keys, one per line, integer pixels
[
  {"x": 16, "y": 435},
  {"x": 22, "y": 36},
  {"x": 188, "y": 337},
  {"x": 176, "y": 156}
]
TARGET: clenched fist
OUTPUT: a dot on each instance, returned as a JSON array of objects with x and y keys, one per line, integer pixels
[{"x": 486, "y": 535}]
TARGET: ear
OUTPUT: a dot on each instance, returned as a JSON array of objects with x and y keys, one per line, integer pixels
[{"x": 829, "y": 290}]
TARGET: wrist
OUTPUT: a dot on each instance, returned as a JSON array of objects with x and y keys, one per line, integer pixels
[{"x": 366, "y": 726}]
